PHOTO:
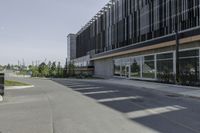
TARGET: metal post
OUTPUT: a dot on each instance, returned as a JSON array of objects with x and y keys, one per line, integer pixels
[{"x": 177, "y": 45}]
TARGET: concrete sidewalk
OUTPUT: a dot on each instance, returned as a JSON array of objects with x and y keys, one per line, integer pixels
[{"x": 174, "y": 89}]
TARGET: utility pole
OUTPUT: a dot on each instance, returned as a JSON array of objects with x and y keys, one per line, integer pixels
[{"x": 177, "y": 43}]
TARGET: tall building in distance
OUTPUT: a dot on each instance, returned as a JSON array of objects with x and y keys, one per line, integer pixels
[
  {"x": 71, "y": 46},
  {"x": 137, "y": 39}
]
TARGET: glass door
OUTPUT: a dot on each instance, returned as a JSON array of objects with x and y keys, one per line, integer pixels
[{"x": 127, "y": 71}]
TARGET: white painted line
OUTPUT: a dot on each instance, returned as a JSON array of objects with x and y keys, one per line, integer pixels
[
  {"x": 99, "y": 92},
  {"x": 154, "y": 111},
  {"x": 87, "y": 88},
  {"x": 118, "y": 99},
  {"x": 18, "y": 87}
]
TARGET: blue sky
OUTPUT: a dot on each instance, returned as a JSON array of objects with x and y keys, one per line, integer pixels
[{"x": 37, "y": 29}]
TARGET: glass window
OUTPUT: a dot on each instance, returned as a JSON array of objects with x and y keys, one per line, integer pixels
[
  {"x": 165, "y": 67},
  {"x": 124, "y": 64},
  {"x": 117, "y": 65},
  {"x": 190, "y": 53},
  {"x": 189, "y": 65},
  {"x": 135, "y": 67},
  {"x": 148, "y": 67},
  {"x": 123, "y": 70}
]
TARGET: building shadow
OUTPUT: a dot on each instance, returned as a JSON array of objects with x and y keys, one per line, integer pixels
[{"x": 159, "y": 112}]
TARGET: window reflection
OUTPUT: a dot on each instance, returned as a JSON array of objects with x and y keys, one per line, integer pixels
[
  {"x": 160, "y": 66},
  {"x": 148, "y": 67},
  {"x": 189, "y": 65},
  {"x": 117, "y": 65},
  {"x": 135, "y": 67},
  {"x": 165, "y": 67}
]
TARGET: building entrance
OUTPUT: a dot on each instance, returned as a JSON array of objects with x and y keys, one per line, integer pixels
[{"x": 127, "y": 71}]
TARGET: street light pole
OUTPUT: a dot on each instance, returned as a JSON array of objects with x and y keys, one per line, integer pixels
[{"x": 177, "y": 44}]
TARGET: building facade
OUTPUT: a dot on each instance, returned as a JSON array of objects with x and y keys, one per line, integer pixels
[
  {"x": 138, "y": 38},
  {"x": 71, "y": 46}
]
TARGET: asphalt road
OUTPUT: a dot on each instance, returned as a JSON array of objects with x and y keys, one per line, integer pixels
[{"x": 93, "y": 106}]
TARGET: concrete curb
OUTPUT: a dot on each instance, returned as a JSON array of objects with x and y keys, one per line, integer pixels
[
  {"x": 40, "y": 78},
  {"x": 18, "y": 87},
  {"x": 190, "y": 96}
]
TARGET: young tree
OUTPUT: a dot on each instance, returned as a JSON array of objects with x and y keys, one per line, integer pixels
[
  {"x": 34, "y": 71},
  {"x": 8, "y": 67},
  {"x": 43, "y": 69},
  {"x": 49, "y": 65},
  {"x": 53, "y": 69},
  {"x": 71, "y": 69},
  {"x": 1, "y": 67},
  {"x": 65, "y": 73}
]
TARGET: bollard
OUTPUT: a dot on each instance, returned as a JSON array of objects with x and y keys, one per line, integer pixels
[{"x": 2, "y": 84}]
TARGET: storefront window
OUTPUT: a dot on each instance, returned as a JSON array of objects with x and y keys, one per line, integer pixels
[
  {"x": 160, "y": 66},
  {"x": 189, "y": 66},
  {"x": 135, "y": 67},
  {"x": 117, "y": 64},
  {"x": 123, "y": 70},
  {"x": 165, "y": 67},
  {"x": 148, "y": 67},
  {"x": 124, "y": 67}
]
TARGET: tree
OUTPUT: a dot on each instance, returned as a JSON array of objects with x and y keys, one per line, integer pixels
[
  {"x": 43, "y": 69},
  {"x": 53, "y": 69},
  {"x": 47, "y": 70},
  {"x": 34, "y": 71},
  {"x": 59, "y": 70},
  {"x": 71, "y": 69},
  {"x": 1, "y": 67},
  {"x": 65, "y": 74},
  {"x": 8, "y": 67},
  {"x": 49, "y": 65}
]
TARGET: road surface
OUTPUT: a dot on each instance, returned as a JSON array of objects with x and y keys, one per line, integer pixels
[{"x": 93, "y": 106}]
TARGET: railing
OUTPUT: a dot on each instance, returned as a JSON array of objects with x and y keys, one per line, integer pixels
[{"x": 2, "y": 78}]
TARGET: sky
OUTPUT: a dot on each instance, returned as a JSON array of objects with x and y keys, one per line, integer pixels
[{"x": 36, "y": 30}]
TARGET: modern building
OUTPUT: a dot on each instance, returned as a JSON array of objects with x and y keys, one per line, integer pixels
[
  {"x": 71, "y": 46},
  {"x": 144, "y": 39}
]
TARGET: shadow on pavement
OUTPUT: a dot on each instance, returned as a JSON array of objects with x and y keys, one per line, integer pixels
[{"x": 156, "y": 111}]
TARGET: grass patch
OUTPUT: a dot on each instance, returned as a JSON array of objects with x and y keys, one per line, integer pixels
[{"x": 15, "y": 83}]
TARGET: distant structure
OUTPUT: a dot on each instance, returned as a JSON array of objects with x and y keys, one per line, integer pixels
[{"x": 71, "y": 47}]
